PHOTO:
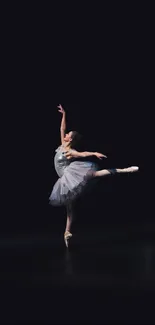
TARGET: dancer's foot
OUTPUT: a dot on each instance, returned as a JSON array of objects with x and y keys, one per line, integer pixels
[
  {"x": 67, "y": 236},
  {"x": 131, "y": 169}
]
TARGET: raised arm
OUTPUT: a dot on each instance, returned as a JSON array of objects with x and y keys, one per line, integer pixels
[
  {"x": 63, "y": 123},
  {"x": 76, "y": 154}
]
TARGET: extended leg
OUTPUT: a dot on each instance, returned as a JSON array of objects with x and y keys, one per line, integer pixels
[{"x": 113, "y": 171}]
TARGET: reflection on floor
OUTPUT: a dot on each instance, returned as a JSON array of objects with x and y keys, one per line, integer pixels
[{"x": 106, "y": 276}]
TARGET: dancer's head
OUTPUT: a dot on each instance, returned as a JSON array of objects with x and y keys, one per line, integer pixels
[{"x": 73, "y": 138}]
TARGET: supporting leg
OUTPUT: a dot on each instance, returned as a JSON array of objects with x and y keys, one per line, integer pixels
[
  {"x": 68, "y": 234},
  {"x": 69, "y": 217}
]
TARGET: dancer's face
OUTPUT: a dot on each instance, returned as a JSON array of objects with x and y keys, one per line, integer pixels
[{"x": 68, "y": 137}]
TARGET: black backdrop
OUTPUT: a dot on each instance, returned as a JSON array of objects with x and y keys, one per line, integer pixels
[
  {"x": 97, "y": 62},
  {"x": 103, "y": 83}
]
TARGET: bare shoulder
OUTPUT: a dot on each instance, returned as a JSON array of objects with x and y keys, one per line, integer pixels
[{"x": 72, "y": 153}]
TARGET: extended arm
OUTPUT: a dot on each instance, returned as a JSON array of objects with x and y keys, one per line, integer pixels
[
  {"x": 63, "y": 123},
  {"x": 76, "y": 154}
]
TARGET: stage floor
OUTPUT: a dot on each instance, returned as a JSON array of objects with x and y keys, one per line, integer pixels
[{"x": 107, "y": 275}]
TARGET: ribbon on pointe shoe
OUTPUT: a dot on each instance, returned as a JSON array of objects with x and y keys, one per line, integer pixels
[{"x": 67, "y": 236}]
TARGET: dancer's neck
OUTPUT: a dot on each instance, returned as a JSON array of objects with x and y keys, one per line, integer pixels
[{"x": 66, "y": 145}]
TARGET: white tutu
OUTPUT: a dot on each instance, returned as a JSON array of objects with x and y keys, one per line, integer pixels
[{"x": 76, "y": 177}]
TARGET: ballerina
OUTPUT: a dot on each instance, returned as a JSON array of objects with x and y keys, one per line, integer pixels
[{"x": 74, "y": 174}]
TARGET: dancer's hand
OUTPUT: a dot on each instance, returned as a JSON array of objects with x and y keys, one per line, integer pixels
[
  {"x": 100, "y": 155},
  {"x": 61, "y": 109}
]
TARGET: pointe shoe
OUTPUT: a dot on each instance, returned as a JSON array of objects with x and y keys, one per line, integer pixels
[
  {"x": 67, "y": 236},
  {"x": 132, "y": 169}
]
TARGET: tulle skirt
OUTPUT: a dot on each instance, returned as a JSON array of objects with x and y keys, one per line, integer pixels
[{"x": 77, "y": 178}]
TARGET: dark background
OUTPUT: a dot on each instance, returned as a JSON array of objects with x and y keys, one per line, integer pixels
[
  {"x": 98, "y": 63},
  {"x": 111, "y": 113},
  {"x": 102, "y": 75}
]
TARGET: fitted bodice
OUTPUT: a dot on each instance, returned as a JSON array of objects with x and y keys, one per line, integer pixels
[{"x": 60, "y": 161}]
